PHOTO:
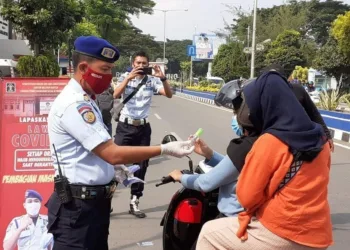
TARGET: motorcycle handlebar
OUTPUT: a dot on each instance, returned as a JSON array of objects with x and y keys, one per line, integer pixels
[
  {"x": 165, "y": 180},
  {"x": 168, "y": 179}
]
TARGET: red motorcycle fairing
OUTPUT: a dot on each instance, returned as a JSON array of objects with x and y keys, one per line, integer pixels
[{"x": 189, "y": 211}]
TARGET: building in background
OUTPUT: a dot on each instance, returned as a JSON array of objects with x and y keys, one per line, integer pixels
[
  {"x": 321, "y": 81},
  {"x": 4, "y": 29}
]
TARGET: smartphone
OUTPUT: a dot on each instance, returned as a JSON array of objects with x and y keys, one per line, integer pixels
[{"x": 148, "y": 71}]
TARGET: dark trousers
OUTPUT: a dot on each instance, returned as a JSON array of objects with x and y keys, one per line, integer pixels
[
  {"x": 79, "y": 224},
  {"x": 129, "y": 135}
]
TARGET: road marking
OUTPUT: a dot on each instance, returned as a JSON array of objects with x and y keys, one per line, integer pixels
[
  {"x": 176, "y": 135},
  {"x": 156, "y": 115},
  {"x": 341, "y": 145},
  {"x": 212, "y": 106},
  {"x": 336, "y": 118}
]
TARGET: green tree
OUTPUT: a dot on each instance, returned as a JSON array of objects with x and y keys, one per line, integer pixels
[
  {"x": 122, "y": 64},
  {"x": 270, "y": 21},
  {"x": 140, "y": 42},
  {"x": 175, "y": 53},
  {"x": 200, "y": 69},
  {"x": 333, "y": 62},
  {"x": 300, "y": 73},
  {"x": 320, "y": 17},
  {"x": 185, "y": 69},
  {"x": 230, "y": 62},
  {"x": 43, "y": 22},
  {"x": 341, "y": 32},
  {"x": 113, "y": 16},
  {"x": 285, "y": 50},
  {"x": 308, "y": 49},
  {"x": 83, "y": 28},
  {"x": 39, "y": 66}
]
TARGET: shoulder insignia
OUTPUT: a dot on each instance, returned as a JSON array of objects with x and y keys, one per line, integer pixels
[
  {"x": 84, "y": 107},
  {"x": 86, "y": 98},
  {"x": 85, "y": 110},
  {"x": 89, "y": 117}
]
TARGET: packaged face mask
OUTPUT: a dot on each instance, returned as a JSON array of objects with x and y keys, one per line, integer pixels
[{"x": 125, "y": 175}]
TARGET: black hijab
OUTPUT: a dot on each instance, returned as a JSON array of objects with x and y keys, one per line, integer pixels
[{"x": 274, "y": 109}]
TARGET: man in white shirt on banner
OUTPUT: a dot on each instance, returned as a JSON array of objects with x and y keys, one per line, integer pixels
[{"x": 29, "y": 231}]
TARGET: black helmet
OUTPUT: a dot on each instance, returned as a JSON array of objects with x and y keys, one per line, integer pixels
[
  {"x": 168, "y": 138},
  {"x": 230, "y": 95}
]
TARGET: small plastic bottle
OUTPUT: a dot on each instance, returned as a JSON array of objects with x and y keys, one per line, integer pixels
[{"x": 196, "y": 136}]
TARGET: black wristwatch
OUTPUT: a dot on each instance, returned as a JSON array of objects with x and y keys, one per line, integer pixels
[{"x": 163, "y": 79}]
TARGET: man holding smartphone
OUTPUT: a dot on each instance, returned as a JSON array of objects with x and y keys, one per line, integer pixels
[{"x": 133, "y": 126}]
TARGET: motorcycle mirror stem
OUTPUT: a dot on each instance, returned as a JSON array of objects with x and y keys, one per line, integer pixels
[{"x": 190, "y": 164}]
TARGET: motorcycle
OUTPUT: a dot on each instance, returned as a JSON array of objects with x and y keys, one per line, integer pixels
[{"x": 187, "y": 212}]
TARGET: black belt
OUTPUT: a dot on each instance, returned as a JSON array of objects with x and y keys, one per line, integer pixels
[{"x": 93, "y": 192}]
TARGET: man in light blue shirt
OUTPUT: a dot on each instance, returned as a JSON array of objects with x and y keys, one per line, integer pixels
[{"x": 133, "y": 127}]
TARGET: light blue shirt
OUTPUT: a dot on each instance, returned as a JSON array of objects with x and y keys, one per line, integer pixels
[
  {"x": 138, "y": 107},
  {"x": 224, "y": 176},
  {"x": 76, "y": 127}
]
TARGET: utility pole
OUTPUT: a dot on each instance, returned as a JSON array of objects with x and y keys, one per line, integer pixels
[
  {"x": 252, "y": 65},
  {"x": 191, "y": 71}
]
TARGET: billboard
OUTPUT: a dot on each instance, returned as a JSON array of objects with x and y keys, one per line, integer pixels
[
  {"x": 26, "y": 170},
  {"x": 207, "y": 46}
]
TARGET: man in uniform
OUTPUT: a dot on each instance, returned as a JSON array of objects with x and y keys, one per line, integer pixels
[
  {"x": 79, "y": 211},
  {"x": 29, "y": 231},
  {"x": 133, "y": 127}
]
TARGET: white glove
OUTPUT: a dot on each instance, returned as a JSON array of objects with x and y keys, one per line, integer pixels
[{"x": 177, "y": 148}]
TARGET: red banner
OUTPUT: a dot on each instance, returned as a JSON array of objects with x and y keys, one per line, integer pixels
[{"x": 25, "y": 158}]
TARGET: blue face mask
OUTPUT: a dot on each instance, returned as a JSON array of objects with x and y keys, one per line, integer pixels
[{"x": 235, "y": 127}]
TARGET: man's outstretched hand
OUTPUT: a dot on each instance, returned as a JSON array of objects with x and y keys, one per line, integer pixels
[{"x": 177, "y": 148}]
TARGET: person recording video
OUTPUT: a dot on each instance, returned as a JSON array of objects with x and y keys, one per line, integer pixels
[{"x": 133, "y": 127}]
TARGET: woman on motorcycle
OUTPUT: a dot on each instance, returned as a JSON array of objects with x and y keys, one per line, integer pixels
[
  {"x": 226, "y": 169},
  {"x": 283, "y": 184}
]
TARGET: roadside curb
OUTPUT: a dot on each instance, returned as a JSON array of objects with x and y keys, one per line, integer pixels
[
  {"x": 196, "y": 98},
  {"x": 336, "y": 133}
]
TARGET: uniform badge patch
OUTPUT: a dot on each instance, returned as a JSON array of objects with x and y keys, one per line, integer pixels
[
  {"x": 108, "y": 53},
  {"x": 85, "y": 110},
  {"x": 89, "y": 117}
]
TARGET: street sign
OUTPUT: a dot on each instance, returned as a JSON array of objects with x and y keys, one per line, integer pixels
[
  {"x": 247, "y": 50},
  {"x": 191, "y": 50},
  {"x": 259, "y": 47},
  {"x": 166, "y": 61}
]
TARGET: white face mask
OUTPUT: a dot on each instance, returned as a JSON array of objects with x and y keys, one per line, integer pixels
[{"x": 33, "y": 208}]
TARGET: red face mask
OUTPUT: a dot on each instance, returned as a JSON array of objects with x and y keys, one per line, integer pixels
[{"x": 97, "y": 81}]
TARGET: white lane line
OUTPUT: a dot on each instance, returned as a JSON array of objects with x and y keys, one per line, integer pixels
[
  {"x": 176, "y": 135},
  {"x": 341, "y": 145},
  {"x": 156, "y": 115},
  {"x": 212, "y": 106}
]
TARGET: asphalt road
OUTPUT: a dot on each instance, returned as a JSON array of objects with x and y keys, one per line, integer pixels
[{"x": 182, "y": 117}]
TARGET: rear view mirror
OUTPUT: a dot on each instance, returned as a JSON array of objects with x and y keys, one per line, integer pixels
[{"x": 168, "y": 138}]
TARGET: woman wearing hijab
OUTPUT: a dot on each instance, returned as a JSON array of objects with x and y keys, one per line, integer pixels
[{"x": 283, "y": 184}]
